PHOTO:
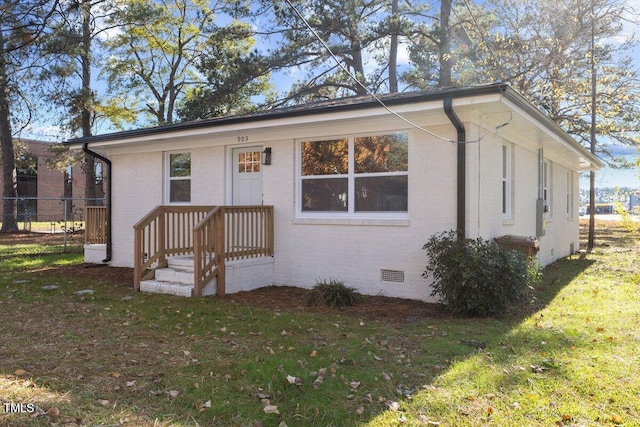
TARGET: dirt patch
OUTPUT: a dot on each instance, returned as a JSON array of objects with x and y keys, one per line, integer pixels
[
  {"x": 120, "y": 276},
  {"x": 283, "y": 298},
  {"x": 369, "y": 307}
]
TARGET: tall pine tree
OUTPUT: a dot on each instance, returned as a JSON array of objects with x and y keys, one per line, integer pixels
[{"x": 22, "y": 23}]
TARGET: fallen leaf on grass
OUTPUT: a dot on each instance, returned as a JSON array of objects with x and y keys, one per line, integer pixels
[
  {"x": 271, "y": 409},
  {"x": 537, "y": 369},
  {"x": 360, "y": 410},
  {"x": 320, "y": 378},
  {"x": 131, "y": 383},
  {"x": 354, "y": 384},
  {"x": 173, "y": 394},
  {"x": 38, "y": 412},
  {"x": 394, "y": 406},
  {"x": 103, "y": 402},
  {"x": 19, "y": 372},
  {"x": 203, "y": 406},
  {"x": 617, "y": 419},
  {"x": 294, "y": 380}
]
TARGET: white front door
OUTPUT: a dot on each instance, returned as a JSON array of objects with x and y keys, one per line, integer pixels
[{"x": 247, "y": 176}]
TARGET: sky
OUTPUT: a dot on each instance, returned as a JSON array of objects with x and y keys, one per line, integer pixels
[
  {"x": 609, "y": 177},
  {"x": 606, "y": 177}
]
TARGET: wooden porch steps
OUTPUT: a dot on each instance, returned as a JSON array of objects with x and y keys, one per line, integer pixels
[{"x": 176, "y": 279}]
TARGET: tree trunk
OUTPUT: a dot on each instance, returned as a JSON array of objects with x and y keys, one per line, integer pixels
[
  {"x": 592, "y": 175},
  {"x": 87, "y": 102},
  {"x": 445, "y": 45},
  {"x": 393, "y": 49},
  {"x": 9, "y": 186}
]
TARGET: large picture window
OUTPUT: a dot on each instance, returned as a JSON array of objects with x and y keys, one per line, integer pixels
[
  {"x": 179, "y": 177},
  {"x": 355, "y": 175}
]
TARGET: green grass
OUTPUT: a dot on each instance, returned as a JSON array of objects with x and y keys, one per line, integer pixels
[{"x": 118, "y": 358}]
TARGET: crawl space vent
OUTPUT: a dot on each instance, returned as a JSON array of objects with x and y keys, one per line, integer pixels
[{"x": 392, "y": 276}]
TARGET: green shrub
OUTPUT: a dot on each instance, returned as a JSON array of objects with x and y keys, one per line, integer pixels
[
  {"x": 476, "y": 276},
  {"x": 332, "y": 294}
]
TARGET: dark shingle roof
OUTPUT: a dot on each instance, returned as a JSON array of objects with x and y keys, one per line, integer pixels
[{"x": 320, "y": 107}]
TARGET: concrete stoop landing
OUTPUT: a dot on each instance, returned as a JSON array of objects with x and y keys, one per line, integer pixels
[
  {"x": 241, "y": 275},
  {"x": 176, "y": 279}
]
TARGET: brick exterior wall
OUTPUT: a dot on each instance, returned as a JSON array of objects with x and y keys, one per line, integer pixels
[
  {"x": 355, "y": 250},
  {"x": 51, "y": 182}
]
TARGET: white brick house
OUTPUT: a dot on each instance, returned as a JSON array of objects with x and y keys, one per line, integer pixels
[{"x": 356, "y": 191}]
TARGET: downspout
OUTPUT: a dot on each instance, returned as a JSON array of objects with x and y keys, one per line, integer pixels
[
  {"x": 85, "y": 148},
  {"x": 462, "y": 167}
]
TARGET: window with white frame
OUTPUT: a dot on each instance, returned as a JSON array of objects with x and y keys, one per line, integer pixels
[
  {"x": 179, "y": 177},
  {"x": 546, "y": 187},
  {"x": 355, "y": 175},
  {"x": 506, "y": 182},
  {"x": 569, "y": 194}
]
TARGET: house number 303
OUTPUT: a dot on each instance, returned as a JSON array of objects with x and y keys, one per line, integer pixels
[{"x": 243, "y": 138}]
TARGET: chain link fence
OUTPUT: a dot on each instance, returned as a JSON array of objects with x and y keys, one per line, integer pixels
[{"x": 51, "y": 218}]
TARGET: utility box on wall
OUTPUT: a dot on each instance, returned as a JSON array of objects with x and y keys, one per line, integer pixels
[
  {"x": 541, "y": 213},
  {"x": 527, "y": 245}
]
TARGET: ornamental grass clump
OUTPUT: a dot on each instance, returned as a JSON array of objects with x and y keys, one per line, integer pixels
[
  {"x": 476, "y": 277},
  {"x": 331, "y": 294}
]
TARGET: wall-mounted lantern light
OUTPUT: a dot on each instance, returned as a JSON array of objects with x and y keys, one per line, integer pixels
[{"x": 266, "y": 156}]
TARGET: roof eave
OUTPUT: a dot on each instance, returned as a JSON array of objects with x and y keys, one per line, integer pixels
[{"x": 588, "y": 160}]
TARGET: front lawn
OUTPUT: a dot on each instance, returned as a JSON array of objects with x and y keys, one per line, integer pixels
[{"x": 115, "y": 358}]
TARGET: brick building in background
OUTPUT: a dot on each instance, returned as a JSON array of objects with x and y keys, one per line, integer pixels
[{"x": 44, "y": 193}]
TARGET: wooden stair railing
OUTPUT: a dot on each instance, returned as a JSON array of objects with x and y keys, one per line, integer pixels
[
  {"x": 228, "y": 233},
  {"x": 96, "y": 225},
  {"x": 166, "y": 230},
  {"x": 208, "y": 262},
  {"x": 211, "y": 234}
]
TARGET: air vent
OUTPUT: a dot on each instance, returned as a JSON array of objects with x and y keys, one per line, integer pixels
[{"x": 392, "y": 276}]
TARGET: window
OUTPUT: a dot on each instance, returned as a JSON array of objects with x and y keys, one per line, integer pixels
[
  {"x": 248, "y": 161},
  {"x": 179, "y": 177},
  {"x": 355, "y": 175},
  {"x": 68, "y": 189},
  {"x": 569, "y": 194},
  {"x": 506, "y": 182},
  {"x": 27, "y": 187}
]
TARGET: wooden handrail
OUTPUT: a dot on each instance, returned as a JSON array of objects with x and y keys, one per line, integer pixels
[
  {"x": 211, "y": 234},
  {"x": 205, "y": 263},
  {"x": 229, "y": 233},
  {"x": 249, "y": 231},
  {"x": 166, "y": 230},
  {"x": 96, "y": 225}
]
